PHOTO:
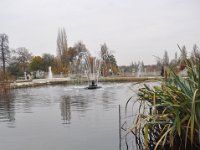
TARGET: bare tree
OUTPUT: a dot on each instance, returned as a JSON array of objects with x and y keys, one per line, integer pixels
[
  {"x": 174, "y": 62},
  {"x": 22, "y": 57},
  {"x": 109, "y": 61},
  {"x": 184, "y": 53},
  {"x": 195, "y": 55},
  {"x": 62, "y": 46},
  {"x": 80, "y": 47},
  {"x": 104, "y": 51},
  {"x": 176, "y": 57},
  {"x": 4, "y": 51}
]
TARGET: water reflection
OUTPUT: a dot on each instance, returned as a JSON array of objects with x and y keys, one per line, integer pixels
[
  {"x": 108, "y": 99},
  {"x": 65, "y": 107},
  {"x": 7, "y": 108},
  {"x": 91, "y": 117},
  {"x": 73, "y": 103}
]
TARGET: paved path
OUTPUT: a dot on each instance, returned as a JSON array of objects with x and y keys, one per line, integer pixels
[{"x": 37, "y": 82}]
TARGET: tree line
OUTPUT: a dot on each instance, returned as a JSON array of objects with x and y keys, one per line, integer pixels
[
  {"x": 14, "y": 62},
  {"x": 176, "y": 63}
]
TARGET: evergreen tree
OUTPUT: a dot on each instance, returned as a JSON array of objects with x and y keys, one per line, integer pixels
[{"x": 166, "y": 59}]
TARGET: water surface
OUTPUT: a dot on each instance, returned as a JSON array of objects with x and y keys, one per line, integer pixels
[{"x": 62, "y": 117}]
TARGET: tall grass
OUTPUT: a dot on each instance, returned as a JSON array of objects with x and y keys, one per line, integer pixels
[{"x": 172, "y": 120}]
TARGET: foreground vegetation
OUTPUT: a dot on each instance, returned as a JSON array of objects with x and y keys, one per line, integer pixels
[{"x": 169, "y": 115}]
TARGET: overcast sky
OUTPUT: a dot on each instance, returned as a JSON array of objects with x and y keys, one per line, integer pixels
[{"x": 133, "y": 29}]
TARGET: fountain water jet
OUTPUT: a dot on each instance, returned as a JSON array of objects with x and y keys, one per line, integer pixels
[
  {"x": 50, "y": 75},
  {"x": 139, "y": 72},
  {"x": 92, "y": 69}
]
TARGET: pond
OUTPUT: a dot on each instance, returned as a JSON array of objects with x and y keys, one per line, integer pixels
[{"x": 62, "y": 117}]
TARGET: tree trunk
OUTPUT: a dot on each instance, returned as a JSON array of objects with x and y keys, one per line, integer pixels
[{"x": 3, "y": 59}]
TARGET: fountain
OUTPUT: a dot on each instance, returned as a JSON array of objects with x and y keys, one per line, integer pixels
[
  {"x": 92, "y": 67},
  {"x": 50, "y": 75},
  {"x": 139, "y": 72},
  {"x": 25, "y": 76}
]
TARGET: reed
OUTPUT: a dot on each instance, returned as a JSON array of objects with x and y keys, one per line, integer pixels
[
  {"x": 4, "y": 84},
  {"x": 169, "y": 114}
]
